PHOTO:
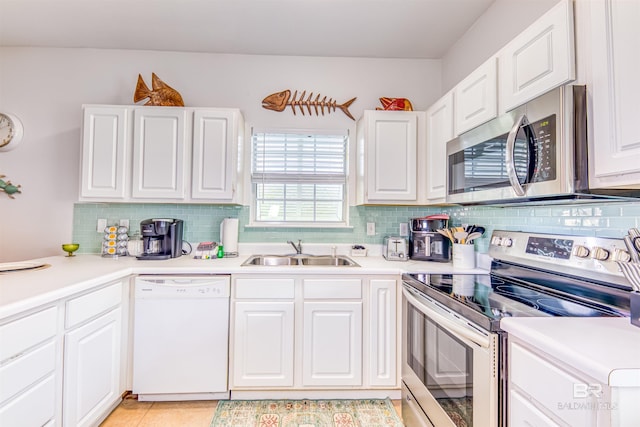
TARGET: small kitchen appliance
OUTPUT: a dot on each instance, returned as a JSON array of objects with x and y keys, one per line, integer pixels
[
  {"x": 425, "y": 243},
  {"x": 453, "y": 348},
  {"x": 161, "y": 238},
  {"x": 395, "y": 248}
]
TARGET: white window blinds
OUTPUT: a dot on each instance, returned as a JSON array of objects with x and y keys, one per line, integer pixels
[{"x": 299, "y": 176}]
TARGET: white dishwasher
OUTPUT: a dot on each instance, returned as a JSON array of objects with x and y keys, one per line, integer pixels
[{"x": 181, "y": 337}]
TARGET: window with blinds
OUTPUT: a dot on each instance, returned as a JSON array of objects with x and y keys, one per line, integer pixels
[{"x": 299, "y": 177}]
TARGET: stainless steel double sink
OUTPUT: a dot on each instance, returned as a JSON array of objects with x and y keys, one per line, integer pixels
[{"x": 308, "y": 260}]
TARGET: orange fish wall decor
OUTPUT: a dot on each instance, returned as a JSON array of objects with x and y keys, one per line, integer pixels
[
  {"x": 280, "y": 100},
  {"x": 161, "y": 93},
  {"x": 395, "y": 104}
]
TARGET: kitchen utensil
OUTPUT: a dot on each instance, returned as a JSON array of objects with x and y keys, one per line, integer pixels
[
  {"x": 460, "y": 236},
  {"x": 70, "y": 248},
  {"x": 630, "y": 244},
  {"x": 472, "y": 236},
  {"x": 632, "y": 272},
  {"x": 446, "y": 232}
]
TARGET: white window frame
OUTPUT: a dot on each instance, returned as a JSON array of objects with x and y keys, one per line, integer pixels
[{"x": 255, "y": 178}]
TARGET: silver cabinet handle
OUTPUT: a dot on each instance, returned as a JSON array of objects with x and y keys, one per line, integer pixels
[{"x": 511, "y": 166}]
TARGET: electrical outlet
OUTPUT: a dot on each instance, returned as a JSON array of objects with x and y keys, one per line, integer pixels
[
  {"x": 404, "y": 229},
  {"x": 124, "y": 223},
  {"x": 102, "y": 224},
  {"x": 371, "y": 229}
]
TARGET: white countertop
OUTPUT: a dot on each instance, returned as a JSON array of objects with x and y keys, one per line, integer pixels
[
  {"x": 606, "y": 348},
  {"x": 20, "y": 291}
]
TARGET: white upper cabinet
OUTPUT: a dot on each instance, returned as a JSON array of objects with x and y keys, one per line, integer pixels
[
  {"x": 615, "y": 90},
  {"x": 216, "y": 136},
  {"x": 539, "y": 59},
  {"x": 159, "y": 152},
  {"x": 105, "y": 152},
  {"x": 388, "y": 143},
  {"x": 477, "y": 97},
  {"x": 439, "y": 131}
]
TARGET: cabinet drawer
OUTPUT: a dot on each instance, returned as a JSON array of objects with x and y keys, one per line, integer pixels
[
  {"x": 90, "y": 305},
  {"x": 523, "y": 413},
  {"x": 332, "y": 288},
  {"x": 264, "y": 288},
  {"x": 26, "y": 370},
  {"x": 551, "y": 386},
  {"x": 27, "y": 332},
  {"x": 33, "y": 408}
]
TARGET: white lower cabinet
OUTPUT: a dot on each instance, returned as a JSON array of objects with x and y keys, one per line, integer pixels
[
  {"x": 92, "y": 355},
  {"x": 62, "y": 364},
  {"x": 382, "y": 333},
  {"x": 542, "y": 392},
  {"x": 523, "y": 413},
  {"x": 92, "y": 369},
  {"x": 29, "y": 369},
  {"x": 302, "y": 332},
  {"x": 263, "y": 345},
  {"x": 332, "y": 343}
]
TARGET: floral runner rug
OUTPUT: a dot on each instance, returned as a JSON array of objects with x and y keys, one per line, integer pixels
[{"x": 306, "y": 413}]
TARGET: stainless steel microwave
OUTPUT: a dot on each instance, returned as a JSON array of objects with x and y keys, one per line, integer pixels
[{"x": 536, "y": 152}]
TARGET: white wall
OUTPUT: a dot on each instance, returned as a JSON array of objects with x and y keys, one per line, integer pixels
[
  {"x": 501, "y": 22},
  {"x": 46, "y": 88}
]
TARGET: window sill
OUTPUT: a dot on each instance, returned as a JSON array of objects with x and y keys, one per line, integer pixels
[{"x": 302, "y": 225}]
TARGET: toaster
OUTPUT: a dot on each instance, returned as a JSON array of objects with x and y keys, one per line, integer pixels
[{"x": 395, "y": 248}]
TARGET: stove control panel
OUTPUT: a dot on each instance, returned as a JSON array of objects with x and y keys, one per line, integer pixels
[{"x": 580, "y": 255}]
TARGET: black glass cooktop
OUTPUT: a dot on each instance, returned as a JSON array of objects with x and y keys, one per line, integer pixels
[{"x": 485, "y": 299}]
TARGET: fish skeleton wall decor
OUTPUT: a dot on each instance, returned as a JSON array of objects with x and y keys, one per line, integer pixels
[
  {"x": 161, "y": 95},
  {"x": 279, "y": 101},
  {"x": 395, "y": 104}
]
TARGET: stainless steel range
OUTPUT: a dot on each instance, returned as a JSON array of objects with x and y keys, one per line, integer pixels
[{"x": 453, "y": 367}]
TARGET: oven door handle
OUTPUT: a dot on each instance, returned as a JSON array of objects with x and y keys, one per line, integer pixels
[
  {"x": 451, "y": 326},
  {"x": 510, "y": 160}
]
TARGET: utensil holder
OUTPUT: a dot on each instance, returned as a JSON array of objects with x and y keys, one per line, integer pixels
[
  {"x": 464, "y": 256},
  {"x": 635, "y": 308}
]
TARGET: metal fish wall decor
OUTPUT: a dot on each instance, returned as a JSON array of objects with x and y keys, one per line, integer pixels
[
  {"x": 395, "y": 104},
  {"x": 161, "y": 93},
  {"x": 280, "y": 100}
]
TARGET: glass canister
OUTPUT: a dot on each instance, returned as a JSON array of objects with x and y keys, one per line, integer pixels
[{"x": 135, "y": 245}]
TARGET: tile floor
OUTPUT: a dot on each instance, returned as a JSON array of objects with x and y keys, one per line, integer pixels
[{"x": 131, "y": 413}]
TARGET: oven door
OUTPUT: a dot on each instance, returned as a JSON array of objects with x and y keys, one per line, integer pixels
[{"x": 449, "y": 365}]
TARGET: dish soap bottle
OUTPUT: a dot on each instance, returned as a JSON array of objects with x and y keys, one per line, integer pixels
[{"x": 220, "y": 251}]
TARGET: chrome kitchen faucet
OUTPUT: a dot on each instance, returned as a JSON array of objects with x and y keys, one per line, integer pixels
[{"x": 297, "y": 247}]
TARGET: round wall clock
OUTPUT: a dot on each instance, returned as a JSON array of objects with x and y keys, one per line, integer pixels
[{"x": 11, "y": 131}]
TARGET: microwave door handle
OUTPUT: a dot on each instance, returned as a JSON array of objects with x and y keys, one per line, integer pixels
[{"x": 511, "y": 144}]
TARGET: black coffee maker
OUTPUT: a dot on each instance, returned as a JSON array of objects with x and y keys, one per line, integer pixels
[
  {"x": 425, "y": 243},
  {"x": 161, "y": 238}
]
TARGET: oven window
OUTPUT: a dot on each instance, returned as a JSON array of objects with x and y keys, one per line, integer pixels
[{"x": 443, "y": 363}]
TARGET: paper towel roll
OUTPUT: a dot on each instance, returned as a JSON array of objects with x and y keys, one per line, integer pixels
[{"x": 229, "y": 235}]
